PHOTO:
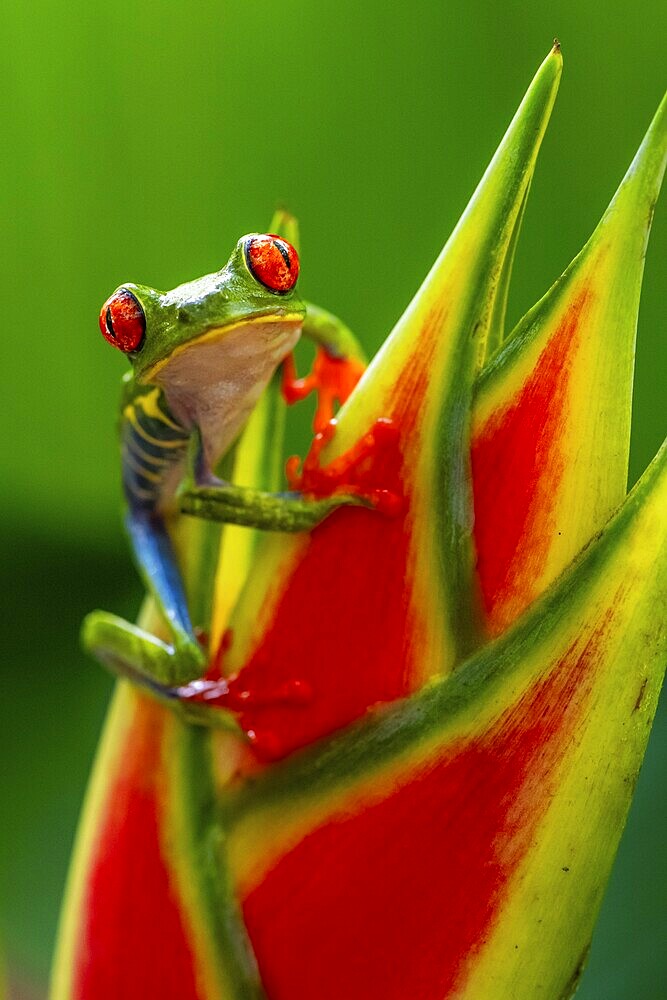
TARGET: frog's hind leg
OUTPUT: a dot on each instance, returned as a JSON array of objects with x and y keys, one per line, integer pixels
[
  {"x": 115, "y": 641},
  {"x": 127, "y": 649},
  {"x": 156, "y": 560}
]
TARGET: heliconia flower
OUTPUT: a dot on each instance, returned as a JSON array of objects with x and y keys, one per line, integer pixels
[{"x": 442, "y": 704}]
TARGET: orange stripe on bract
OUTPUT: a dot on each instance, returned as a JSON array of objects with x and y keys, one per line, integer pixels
[
  {"x": 517, "y": 466},
  {"x": 394, "y": 900},
  {"x": 133, "y": 942}
]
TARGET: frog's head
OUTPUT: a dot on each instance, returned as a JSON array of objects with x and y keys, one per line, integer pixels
[{"x": 253, "y": 293}]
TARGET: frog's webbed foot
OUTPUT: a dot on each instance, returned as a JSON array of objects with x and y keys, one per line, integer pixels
[{"x": 127, "y": 649}]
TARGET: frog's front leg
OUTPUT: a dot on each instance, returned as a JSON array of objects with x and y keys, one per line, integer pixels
[
  {"x": 204, "y": 495},
  {"x": 288, "y": 512},
  {"x": 338, "y": 366},
  {"x": 332, "y": 334},
  {"x": 126, "y": 648},
  {"x": 317, "y": 490}
]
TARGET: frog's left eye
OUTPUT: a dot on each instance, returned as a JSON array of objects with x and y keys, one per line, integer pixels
[
  {"x": 122, "y": 321},
  {"x": 273, "y": 262}
]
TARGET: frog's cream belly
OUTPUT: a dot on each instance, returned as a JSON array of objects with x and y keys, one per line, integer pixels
[{"x": 215, "y": 383}]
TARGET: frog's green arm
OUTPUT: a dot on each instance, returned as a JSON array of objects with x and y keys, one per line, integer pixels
[
  {"x": 329, "y": 332},
  {"x": 288, "y": 512}
]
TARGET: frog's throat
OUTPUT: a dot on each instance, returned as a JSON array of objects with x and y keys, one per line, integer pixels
[{"x": 217, "y": 333}]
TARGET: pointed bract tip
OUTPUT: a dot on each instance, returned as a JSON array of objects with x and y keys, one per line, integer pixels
[
  {"x": 556, "y": 55},
  {"x": 552, "y": 65},
  {"x": 283, "y": 215}
]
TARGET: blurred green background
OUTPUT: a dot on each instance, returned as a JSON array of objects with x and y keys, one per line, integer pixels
[{"x": 139, "y": 141}]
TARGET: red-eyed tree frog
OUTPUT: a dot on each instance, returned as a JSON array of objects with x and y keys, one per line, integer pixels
[{"x": 201, "y": 356}]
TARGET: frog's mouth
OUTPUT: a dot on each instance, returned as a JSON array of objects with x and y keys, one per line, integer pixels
[{"x": 214, "y": 381}]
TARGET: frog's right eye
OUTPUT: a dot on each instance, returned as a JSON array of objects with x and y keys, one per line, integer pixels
[
  {"x": 272, "y": 261},
  {"x": 122, "y": 321}
]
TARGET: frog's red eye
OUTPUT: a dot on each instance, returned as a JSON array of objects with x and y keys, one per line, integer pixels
[
  {"x": 273, "y": 262},
  {"x": 122, "y": 321}
]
